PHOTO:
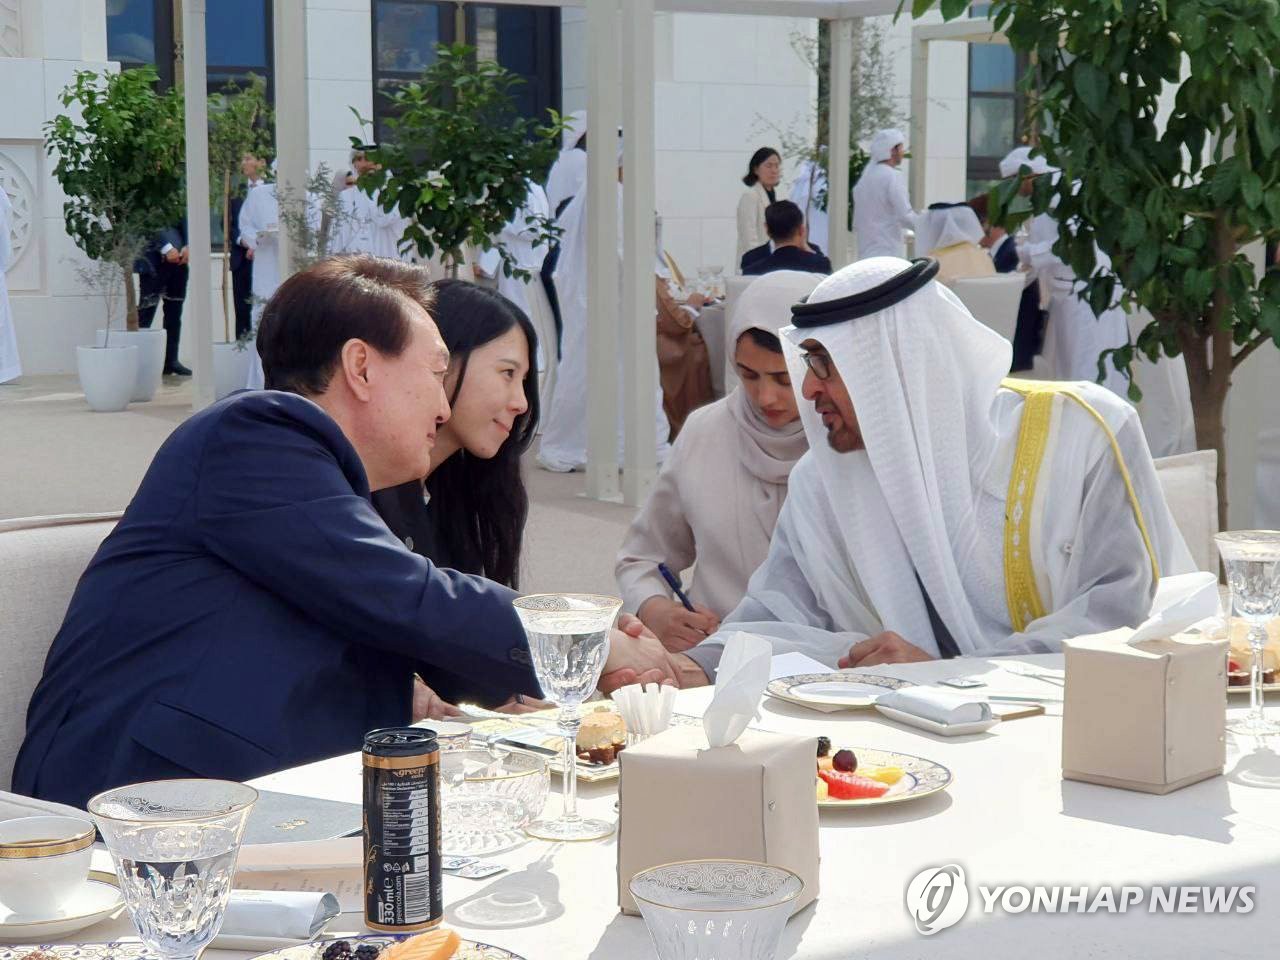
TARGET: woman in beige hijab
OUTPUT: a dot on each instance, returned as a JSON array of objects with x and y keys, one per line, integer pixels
[{"x": 718, "y": 496}]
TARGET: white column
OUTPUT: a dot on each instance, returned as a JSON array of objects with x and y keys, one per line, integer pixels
[
  {"x": 197, "y": 309},
  {"x": 290, "y": 27},
  {"x": 838, "y": 126},
  {"x": 604, "y": 113},
  {"x": 639, "y": 202},
  {"x": 919, "y": 116}
]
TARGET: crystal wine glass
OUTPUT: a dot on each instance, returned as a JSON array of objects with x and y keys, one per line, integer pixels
[
  {"x": 569, "y": 642},
  {"x": 174, "y": 844},
  {"x": 1252, "y": 562}
]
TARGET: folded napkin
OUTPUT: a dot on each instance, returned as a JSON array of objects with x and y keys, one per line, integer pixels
[
  {"x": 940, "y": 706},
  {"x": 264, "y": 918}
]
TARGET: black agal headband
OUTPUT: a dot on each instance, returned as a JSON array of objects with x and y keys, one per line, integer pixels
[{"x": 866, "y": 302}]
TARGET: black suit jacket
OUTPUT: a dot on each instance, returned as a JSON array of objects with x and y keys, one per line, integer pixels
[
  {"x": 788, "y": 258},
  {"x": 152, "y": 260},
  {"x": 251, "y": 612},
  {"x": 237, "y": 258},
  {"x": 1028, "y": 336}
]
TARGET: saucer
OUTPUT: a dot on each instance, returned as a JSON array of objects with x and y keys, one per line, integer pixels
[{"x": 97, "y": 899}]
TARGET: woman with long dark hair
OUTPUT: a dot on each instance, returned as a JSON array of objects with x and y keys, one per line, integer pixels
[
  {"x": 764, "y": 173},
  {"x": 469, "y": 513}
]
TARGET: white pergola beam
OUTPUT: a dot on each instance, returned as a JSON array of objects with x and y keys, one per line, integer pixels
[
  {"x": 838, "y": 131},
  {"x": 290, "y": 26},
  {"x": 604, "y": 77},
  {"x": 199, "y": 243},
  {"x": 809, "y": 9},
  {"x": 639, "y": 205}
]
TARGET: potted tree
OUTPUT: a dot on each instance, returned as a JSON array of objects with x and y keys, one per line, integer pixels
[
  {"x": 1174, "y": 204},
  {"x": 108, "y": 371},
  {"x": 241, "y": 122},
  {"x": 119, "y": 161},
  {"x": 459, "y": 158}
]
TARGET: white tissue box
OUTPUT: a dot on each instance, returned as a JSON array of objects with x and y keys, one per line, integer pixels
[
  {"x": 1149, "y": 717},
  {"x": 751, "y": 800}
]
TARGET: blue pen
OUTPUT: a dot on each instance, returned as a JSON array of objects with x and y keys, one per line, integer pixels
[{"x": 674, "y": 584}]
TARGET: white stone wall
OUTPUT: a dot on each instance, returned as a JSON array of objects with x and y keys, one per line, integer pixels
[
  {"x": 42, "y": 44},
  {"x": 339, "y": 77},
  {"x": 719, "y": 78}
]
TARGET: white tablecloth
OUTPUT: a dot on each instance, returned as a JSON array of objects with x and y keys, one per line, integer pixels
[{"x": 1008, "y": 819}]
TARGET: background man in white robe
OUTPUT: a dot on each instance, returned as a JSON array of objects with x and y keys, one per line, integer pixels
[
  {"x": 809, "y": 193},
  {"x": 564, "y": 433},
  {"x": 891, "y": 544},
  {"x": 1075, "y": 336},
  {"x": 881, "y": 207},
  {"x": 569, "y": 172},
  {"x": 365, "y": 227},
  {"x": 10, "y": 366}
]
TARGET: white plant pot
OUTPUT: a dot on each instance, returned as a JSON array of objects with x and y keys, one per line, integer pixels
[
  {"x": 108, "y": 376},
  {"x": 230, "y": 368},
  {"x": 150, "y": 344}
]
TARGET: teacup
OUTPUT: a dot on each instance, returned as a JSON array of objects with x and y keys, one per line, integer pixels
[{"x": 44, "y": 861}]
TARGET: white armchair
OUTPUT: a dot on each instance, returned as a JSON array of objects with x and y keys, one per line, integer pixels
[
  {"x": 41, "y": 560},
  {"x": 1189, "y": 482},
  {"x": 993, "y": 301}
]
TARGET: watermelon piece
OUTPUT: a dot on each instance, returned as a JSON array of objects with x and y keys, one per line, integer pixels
[{"x": 852, "y": 786}]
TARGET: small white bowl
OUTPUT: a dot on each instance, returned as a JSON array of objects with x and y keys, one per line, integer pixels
[{"x": 43, "y": 862}]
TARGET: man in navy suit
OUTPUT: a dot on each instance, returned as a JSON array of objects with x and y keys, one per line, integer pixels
[
  {"x": 251, "y": 611},
  {"x": 162, "y": 277},
  {"x": 1028, "y": 335},
  {"x": 784, "y": 222}
]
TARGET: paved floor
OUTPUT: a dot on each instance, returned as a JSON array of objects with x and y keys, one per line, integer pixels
[{"x": 57, "y": 456}]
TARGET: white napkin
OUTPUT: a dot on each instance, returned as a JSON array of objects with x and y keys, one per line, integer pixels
[
  {"x": 1181, "y": 601},
  {"x": 645, "y": 709},
  {"x": 740, "y": 681},
  {"x": 256, "y": 917},
  {"x": 940, "y": 706}
]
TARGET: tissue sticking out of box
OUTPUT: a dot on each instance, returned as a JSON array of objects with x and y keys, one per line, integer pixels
[
  {"x": 645, "y": 709},
  {"x": 740, "y": 681},
  {"x": 1181, "y": 602}
]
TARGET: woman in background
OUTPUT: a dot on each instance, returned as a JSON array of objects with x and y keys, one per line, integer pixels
[{"x": 764, "y": 173}]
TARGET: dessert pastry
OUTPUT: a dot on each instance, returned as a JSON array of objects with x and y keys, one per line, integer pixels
[{"x": 601, "y": 736}]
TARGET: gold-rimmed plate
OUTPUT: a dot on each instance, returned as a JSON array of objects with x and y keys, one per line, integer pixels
[
  {"x": 469, "y": 950},
  {"x": 920, "y": 778},
  {"x": 98, "y": 899},
  {"x": 835, "y": 690}
]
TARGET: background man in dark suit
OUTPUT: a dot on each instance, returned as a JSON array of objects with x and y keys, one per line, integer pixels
[
  {"x": 162, "y": 276},
  {"x": 784, "y": 222},
  {"x": 251, "y": 611},
  {"x": 241, "y": 256},
  {"x": 1028, "y": 336}
]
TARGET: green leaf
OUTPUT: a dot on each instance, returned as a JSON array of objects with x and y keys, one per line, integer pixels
[
  {"x": 953, "y": 8},
  {"x": 1225, "y": 182},
  {"x": 1091, "y": 85},
  {"x": 1251, "y": 188}
]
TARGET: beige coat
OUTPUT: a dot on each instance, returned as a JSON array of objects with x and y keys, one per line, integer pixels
[{"x": 751, "y": 232}]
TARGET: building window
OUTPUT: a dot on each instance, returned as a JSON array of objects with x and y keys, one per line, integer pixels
[
  {"x": 525, "y": 40},
  {"x": 996, "y": 112},
  {"x": 237, "y": 38}
]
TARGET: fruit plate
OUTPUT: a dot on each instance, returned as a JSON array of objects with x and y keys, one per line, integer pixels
[
  {"x": 833, "y": 690},
  {"x": 920, "y": 778},
  {"x": 469, "y": 950}
]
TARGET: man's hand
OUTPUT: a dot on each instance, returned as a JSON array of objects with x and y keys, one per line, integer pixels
[
  {"x": 677, "y": 628},
  {"x": 185, "y": 256},
  {"x": 248, "y": 253},
  {"x": 697, "y": 300},
  {"x": 635, "y": 656},
  {"x": 172, "y": 255},
  {"x": 427, "y": 704},
  {"x": 885, "y": 647}
]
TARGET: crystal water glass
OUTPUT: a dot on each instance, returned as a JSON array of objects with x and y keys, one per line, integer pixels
[
  {"x": 569, "y": 643},
  {"x": 1252, "y": 562},
  {"x": 716, "y": 909},
  {"x": 174, "y": 844}
]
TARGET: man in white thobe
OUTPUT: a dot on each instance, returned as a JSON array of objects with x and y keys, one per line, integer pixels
[
  {"x": 564, "y": 433},
  {"x": 364, "y": 227},
  {"x": 260, "y": 232},
  {"x": 881, "y": 207},
  {"x": 10, "y": 366},
  {"x": 941, "y": 510},
  {"x": 1075, "y": 336},
  {"x": 809, "y": 193},
  {"x": 568, "y": 174}
]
